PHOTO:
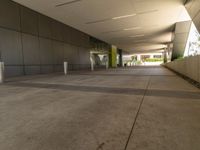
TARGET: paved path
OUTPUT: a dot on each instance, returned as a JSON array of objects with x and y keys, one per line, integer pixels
[{"x": 140, "y": 108}]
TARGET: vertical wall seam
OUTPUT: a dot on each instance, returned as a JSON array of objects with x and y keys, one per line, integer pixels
[
  {"x": 39, "y": 44},
  {"x": 21, "y": 36}
]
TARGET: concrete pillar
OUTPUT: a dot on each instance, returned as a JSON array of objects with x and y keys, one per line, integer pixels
[
  {"x": 120, "y": 58},
  {"x": 181, "y": 35},
  {"x": 138, "y": 57},
  {"x": 1, "y": 72},
  {"x": 113, "y": 57},
  {"x": 65, "y": 67},
  {"x": 165, "y": 55}
]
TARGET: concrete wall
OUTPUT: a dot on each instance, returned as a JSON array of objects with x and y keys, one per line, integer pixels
[
  {"x": 31, "y": 43},
  {"x": 189, "y": 66},
  {"x": 193, "y": 8},
  {"x": 182, "y": 31}
]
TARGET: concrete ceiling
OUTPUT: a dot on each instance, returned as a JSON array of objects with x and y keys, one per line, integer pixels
[{"x": 133, "y": 25}]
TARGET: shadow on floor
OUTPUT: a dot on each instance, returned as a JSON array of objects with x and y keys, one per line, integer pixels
[
  {"x": 129, "y": 75},
  {"x": 111, "y": 90}
]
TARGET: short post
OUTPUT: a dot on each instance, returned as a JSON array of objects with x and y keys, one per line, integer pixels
[
  {"x": 107, "y": 64},
  {"x": 65, "y": 67},
  {"x": 92, "y": 66},
  {"x": 1, "y": 72}
]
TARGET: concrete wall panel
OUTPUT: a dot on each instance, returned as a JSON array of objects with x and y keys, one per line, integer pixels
[
  {"x": 57, "y": 30},
  {"x": 180, "y": 38},
  {"x": 29, "y": 21},
  {"x": 46, "y": 51},
  {"x": 31, "y": 49},
  {"x": 75, "y": 37},
  {"x": 59, "y": 68},
  {"x": 11, "y": 48},
  {"x": 32, "y": 70},
  {"x": 66, "y": 34},
  {"x": 45, "y": 29},
  {"x": 84, "y": 40},
  {"x": 58, "y": 52},
  {"x": 47, "y": 69},
  {"x": 31, "y": 43},
  {"x": 9, "y": 15},
  {"x": 11, "y": 71},
  {"x": 193, "y": 8},
  {"x": 196, "y": 21},
  {"x": 71, "y": 54},
  {"x": 182, "y": 27},
  {"x": 84, "y": 55},
  {"x": 192, "y": 67}
]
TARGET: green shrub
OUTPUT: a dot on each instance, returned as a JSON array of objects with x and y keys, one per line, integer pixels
[
  {"x": 153, "y": 59},
  {"x": 180, "y": 58}
]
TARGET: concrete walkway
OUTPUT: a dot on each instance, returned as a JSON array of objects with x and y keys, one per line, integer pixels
[{"x": 140, "y": 108}]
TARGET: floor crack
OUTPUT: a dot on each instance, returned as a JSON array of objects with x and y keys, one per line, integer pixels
[
  {"x": 100, "y": 147},
  {"x": 137, "y": 114}
]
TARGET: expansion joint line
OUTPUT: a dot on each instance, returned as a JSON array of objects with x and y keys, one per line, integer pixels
[{"x": 137, "y": 114}]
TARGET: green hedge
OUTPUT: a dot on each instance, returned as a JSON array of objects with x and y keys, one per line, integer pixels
[{"x": 153, "y": 59}]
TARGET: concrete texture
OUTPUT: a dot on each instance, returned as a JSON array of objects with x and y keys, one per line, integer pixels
[
  {"x": 140, "y": 108},
  {"x": 189, "y": 66},
  {"x": 182, "y": 31},
  {"x": 193, "y": 8},
  {"x": 31, "y": 43}
]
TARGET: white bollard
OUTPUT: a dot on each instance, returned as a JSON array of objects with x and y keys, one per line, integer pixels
[
  {"x": 92, "y": 66},
  {"x": 1, "y": 72},
  {"x": 107, "y": 65},
  {"x": 65, "y": 67}
]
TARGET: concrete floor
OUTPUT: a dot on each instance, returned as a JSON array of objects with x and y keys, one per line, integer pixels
[{"x": 136, "y": 108}]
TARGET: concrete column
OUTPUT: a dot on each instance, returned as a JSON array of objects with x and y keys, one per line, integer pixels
[
  {"x": 120, "y": 58},
  {"x": 65, "y": 67},
  {"x": 181, "y": 35},
  {"x": 1, "y": 72},
  {"x": 138, "y": 57},
  {"x": 113, "y": 57},
  {"x": 165, "y": 55}
]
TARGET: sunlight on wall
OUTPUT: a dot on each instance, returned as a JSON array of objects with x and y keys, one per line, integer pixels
[{"x": 193, "y": 42}]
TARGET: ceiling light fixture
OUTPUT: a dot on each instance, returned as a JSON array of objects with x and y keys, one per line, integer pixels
[
  {"x": 68, "y": 3},
  {"x": 119, "y": 17},
  {"x": 139, "y": 35},
  {"x": 134, "y": 28},
  {"x": 147, "y": 12},
  {"x": 125, "y": 16},
  {"x": 109, "y": 19}
]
